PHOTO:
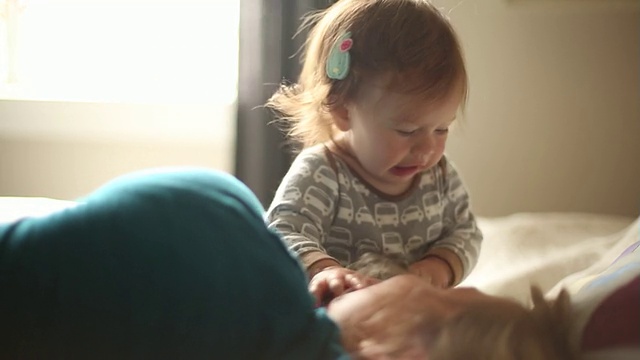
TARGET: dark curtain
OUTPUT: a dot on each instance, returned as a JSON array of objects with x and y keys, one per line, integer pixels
[{"x": 267, "y": 57}]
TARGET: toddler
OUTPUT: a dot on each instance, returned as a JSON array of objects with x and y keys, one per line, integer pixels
[{"x": 381, "y": 84}]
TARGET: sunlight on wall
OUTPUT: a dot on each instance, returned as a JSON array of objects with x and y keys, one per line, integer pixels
[
  {"x": 114, "y": 70},
  {"x": 133, "y": 51},
  {"x": 93, "y": 89}
]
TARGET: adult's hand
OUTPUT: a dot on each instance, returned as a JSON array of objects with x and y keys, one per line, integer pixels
[{"x": 393, "y": 318}]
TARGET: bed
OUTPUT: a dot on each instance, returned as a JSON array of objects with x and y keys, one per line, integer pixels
[
  {"x": 543, "y": 249},
  {"x": 550, "y": 250},
  {"x": 519, "y": 249}
]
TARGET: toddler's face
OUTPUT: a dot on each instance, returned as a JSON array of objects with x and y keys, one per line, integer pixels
[{"x": 393, "y": 136}]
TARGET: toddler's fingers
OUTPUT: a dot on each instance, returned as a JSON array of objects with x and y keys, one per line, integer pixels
[
  {"x": 336, "y": 286},
  {"x": 354, "y": 282},
  {"x": 318, "y": 289}
]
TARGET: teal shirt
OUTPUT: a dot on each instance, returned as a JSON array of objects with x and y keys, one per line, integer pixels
[{"x": 164, "y": 264}]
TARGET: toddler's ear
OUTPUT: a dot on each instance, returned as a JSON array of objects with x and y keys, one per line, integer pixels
[{"x": 340, "y": 114}]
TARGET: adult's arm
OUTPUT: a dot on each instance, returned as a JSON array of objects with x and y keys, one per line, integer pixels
[{"x": 171, "y": 264}]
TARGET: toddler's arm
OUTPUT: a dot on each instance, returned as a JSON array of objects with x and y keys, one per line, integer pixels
[
  {"x": 302, "y": 211},
  {"x": 304, "y": 207},
  {"x": 461, "y": 239},
  {"x": 442, "y": 270}
]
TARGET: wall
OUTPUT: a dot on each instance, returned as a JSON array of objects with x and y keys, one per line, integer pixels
[
  {"x": 65, "y": 150},
  {"x": 552, "y": 124},
  {"x": 553, "y": 119}
]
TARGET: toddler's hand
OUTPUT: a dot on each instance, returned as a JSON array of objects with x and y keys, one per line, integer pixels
[
  {"x": 433, "y": 270},
  {"x": 334, "y": 281}
]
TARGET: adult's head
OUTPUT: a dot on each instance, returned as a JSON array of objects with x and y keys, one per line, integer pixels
[{"x": 406, "y": 318}]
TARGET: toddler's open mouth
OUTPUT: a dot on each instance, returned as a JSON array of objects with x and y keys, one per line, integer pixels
[{"x": 404, "y": 170}]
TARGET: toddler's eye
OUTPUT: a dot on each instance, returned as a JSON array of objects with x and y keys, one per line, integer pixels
[
  {"x": 442, "y": 131},
  {"x": 406, "y": 132}
]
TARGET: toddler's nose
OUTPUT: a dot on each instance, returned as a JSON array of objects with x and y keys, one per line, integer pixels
[{"x": 424, "y": 149}]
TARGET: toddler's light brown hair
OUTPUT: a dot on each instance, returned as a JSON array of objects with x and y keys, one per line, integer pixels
[{"x": 409, "y": 42}]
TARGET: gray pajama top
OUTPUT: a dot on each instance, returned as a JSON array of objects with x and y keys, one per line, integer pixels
[{"x": 324, "y": 209}]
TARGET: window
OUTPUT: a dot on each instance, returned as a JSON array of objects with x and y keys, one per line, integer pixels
[
  {"x": 180, "y": 54},
  {"x": 120, "y": 50}
]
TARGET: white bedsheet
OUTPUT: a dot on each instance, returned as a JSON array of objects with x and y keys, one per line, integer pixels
[
  {"x": 13, "y": 208},
  {"x": 542, "y": 248}
]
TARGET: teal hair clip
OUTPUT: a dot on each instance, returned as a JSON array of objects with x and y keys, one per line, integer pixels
[{"x": 339, "y": 58}]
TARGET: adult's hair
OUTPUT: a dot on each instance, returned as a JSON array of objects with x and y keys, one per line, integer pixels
[
  {"x": 380, "y": 266},
  {"x": 487, "y": 331}
]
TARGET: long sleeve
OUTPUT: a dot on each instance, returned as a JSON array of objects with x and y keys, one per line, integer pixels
[
  {"x": 304, "y": 206},
  {"x": 460, "y": 235},
  {"x": 160, "y": 264},
  {"x": 323, "y": 210}
]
